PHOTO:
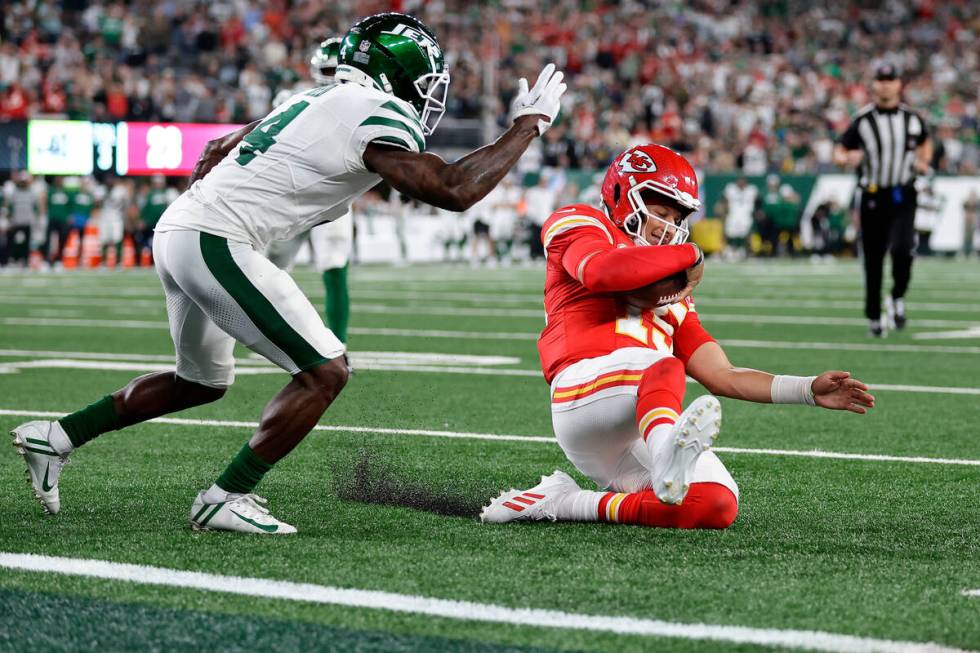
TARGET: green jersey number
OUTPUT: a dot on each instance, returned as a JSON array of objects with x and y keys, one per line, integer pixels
[{"x": 261, "y": 139}]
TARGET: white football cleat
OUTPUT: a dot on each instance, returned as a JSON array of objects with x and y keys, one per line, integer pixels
[
  {"x": 32, "y": 441},
  {"x": 676, "y": 455},
  {"x": 536, "y": 503},
  {"x": 244, "y": 513}
]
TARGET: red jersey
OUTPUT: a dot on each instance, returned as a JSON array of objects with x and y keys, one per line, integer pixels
[{"x": 590, "y": 263}]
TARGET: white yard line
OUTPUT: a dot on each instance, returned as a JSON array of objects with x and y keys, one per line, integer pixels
[
  {"x": 849, "y": 346},
  {"x": 460, "y": 610},
  {"x": 707, "y": 318},
  {"x": 961, "y": 334},
  {"x": 252, "y": 367},
  {"x": 141, "y": 306},
  {"x": 971, "y": 593},
  {"x": 366, "y": 362},
  {"x": 463, "y": 435}
]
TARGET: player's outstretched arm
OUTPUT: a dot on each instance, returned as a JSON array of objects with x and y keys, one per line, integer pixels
[
  {"x": 834, "y": 390},
  {"x": 452, "y": 186},
  {"x": 458, "y": 186},
  {"x": 217, "y": 149}
]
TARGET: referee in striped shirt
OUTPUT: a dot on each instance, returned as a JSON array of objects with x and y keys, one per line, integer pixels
[{"x": 889, "y": 144}]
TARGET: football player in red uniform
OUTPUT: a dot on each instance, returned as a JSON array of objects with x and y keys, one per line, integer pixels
[{"x": 618, "y": 371}]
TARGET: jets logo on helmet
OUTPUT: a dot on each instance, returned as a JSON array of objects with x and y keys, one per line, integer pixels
[
  {"x": 644, "y": 176},
  {"x": 398, "y": 54}
]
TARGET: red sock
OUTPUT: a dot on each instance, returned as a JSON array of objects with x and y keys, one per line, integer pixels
[
  {"x": 660, "y": 395},
  {"x": 707, "y": 505}
]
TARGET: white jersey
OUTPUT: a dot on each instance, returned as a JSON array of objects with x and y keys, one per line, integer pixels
[
  {"x": 741, "y": 205},
  {"x": 302, "y": 166}
]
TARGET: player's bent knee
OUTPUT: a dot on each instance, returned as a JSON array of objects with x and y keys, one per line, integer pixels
[
  {"x": 328, "y": 378},
  {"x": 663, "y": 370},
  {"x": 720, "y": 507},
  {"x": 199, "y": 393}
]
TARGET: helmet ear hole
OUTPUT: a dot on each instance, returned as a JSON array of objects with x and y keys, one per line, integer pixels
[{"x": 616, "y": 194}]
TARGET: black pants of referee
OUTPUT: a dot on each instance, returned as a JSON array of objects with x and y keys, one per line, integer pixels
[{"x": 887, "y": 223}]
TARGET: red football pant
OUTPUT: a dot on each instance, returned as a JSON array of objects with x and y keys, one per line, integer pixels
[{"x": 707, "y": 505}]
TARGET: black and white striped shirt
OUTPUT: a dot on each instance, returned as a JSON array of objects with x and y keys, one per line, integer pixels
[{"x": 889, "y": 138}]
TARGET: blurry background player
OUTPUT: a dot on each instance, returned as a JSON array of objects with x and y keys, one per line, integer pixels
[
  {"x": 331, "y": 243},
  {"x": 59, "y": 218},
  {"x": 618, "y": 370},
  {"x": 928, "y": 213},
  {"x": 741, "y": 199},
  {"x": 503, "y": 218},
  {"x": 300, "y": 166},
  {"x": 889, "y": 144},
  {"x": 780, "y": 221}
]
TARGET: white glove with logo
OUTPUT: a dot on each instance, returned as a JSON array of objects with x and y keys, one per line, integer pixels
[{"x": 543, "y": 99}]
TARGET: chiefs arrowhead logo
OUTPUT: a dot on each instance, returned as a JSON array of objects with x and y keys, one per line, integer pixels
[{"x": 637, "y": 161}]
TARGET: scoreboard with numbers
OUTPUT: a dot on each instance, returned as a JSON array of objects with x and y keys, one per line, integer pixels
[
  {"x": 147, "y": 148},
  {"x": 80, "y": 147}
]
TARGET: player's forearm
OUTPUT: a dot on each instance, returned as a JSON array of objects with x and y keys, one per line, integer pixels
[
  {"x": 469, "y": 179},
  {"x": 740, "y": 383},
  {"x": 923, "y": 155},
  {"x": 616, "y": 270}
]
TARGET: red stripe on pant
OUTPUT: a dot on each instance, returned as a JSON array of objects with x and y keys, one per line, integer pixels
[{"x": 707, "y": 505}]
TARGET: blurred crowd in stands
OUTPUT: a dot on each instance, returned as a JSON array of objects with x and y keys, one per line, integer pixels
[{"x": 754, "y": 86}]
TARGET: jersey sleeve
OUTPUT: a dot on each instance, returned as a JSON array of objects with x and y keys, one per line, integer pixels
[
  {"x": 388, "y": 123},
  {"x": 589, "y": 254},
  {"x": 690, "y": 335},
  {"x": 851, "y": 139},
  {"x": 918, "y": 128}
]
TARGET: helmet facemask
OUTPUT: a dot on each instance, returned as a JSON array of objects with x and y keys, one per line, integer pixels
[
  {"x": 671, "y": 233},
  {"x": 433, "y": 89}
]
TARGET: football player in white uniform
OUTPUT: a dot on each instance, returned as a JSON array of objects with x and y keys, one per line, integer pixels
[
  {"x": 301, "y": 166},
  {"x": 331, "y": 243}
]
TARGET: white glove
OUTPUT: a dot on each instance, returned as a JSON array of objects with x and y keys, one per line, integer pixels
[{"x": 543, "y": 99}]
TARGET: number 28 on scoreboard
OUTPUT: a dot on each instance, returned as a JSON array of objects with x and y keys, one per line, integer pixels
[{"x": 147, "y": 148}]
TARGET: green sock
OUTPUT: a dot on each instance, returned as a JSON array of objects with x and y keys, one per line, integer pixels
[
  {"x": 243, "y": 473},
  {"x": 338, "y": 301},
  {"x": 91, "y": 421}
]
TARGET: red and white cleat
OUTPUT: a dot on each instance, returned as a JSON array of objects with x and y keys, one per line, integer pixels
[{"x": 537, "y": 503}]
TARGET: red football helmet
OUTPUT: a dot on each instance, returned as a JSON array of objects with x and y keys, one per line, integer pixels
[{"x": 646, "y": 169}]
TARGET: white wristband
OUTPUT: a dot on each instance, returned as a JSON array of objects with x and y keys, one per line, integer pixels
[{"x": 787, "y": 389}]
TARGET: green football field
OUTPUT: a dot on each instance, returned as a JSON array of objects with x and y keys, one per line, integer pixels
[{"x": 854, "y": 533}]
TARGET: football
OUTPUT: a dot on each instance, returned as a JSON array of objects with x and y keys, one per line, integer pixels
[{"x": 658, "y": 293}]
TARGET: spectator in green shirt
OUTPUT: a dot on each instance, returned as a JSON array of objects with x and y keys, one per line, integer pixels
[
  {"x": 60, "y": 220},
  {"x": 81, "y": 206},
  {"x": 781, "y": 217},
  {"x": 155, "y": 201}
]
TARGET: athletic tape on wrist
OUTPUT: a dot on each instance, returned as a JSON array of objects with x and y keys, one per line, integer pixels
[{"x": 788, "y": 389}]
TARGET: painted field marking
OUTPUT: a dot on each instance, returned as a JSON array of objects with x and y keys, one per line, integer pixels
[
  {"x": 538, "y": 439},
  {"x": 972, "y": 332},
  {"x": 253, "y": 366},
  {"x": 798, "y": 320},
  {"x": 460, "y": 610},
  {"x": 971, "y": 593},
  {"x": 142, "y": 306}
]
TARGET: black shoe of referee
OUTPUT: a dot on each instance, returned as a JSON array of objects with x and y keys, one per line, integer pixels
[
  {"x": 895, "y": 309},
  {"x": 876, "y": 329}
]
